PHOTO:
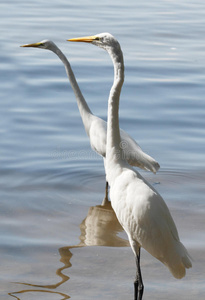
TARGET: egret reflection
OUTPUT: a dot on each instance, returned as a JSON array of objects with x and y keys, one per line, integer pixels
[
  {"x": 38, "y": 291},
  {"x": 99, "y": 228}
]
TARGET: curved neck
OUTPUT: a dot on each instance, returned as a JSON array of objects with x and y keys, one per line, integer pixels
[
  {"x": 83, "y": 107},
  {"x": 113, "y": 130}
]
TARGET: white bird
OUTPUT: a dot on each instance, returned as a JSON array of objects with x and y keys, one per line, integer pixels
[
  {"x": 95, "y": 127},
  {"x": 139, "y": 208}
]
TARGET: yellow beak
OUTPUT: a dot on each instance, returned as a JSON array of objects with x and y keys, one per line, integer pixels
[
  {"x": 31, "y": 45},
  {"x": 86, "y": 39}
]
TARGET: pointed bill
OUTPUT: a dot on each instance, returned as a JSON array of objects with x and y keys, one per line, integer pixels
[
  {"x": 31, "y": 45},
  {"x": 85, "y": 39}
]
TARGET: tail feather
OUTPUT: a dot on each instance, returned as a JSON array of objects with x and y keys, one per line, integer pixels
[
  {"x": 143, "y": 161},
  {"x": 180, "y": 262}
]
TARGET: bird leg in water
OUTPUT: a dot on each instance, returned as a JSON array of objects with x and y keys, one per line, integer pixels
[
  {"x": 105, "y": 200},
  {"x": 138, "y": 283}
]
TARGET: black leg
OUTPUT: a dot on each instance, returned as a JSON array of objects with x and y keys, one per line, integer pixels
[
  {"x": 136, "y": 289},
  {"x": 105, "y": 200},
  {"x": 138, "y": 283}
]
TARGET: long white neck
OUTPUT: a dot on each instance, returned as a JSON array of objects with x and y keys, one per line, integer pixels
[
  {"x": 113, "y": 149},
  {"x": 83, "y": 107}
]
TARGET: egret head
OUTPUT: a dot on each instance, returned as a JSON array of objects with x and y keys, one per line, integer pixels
[
  {"x": 102, "y": 40},
  {"x": 45, "y": 44}
]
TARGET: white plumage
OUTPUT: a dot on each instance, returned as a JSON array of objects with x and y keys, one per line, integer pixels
[
  {"x": 139, "y": 208},
  {"x": 95, "y": 127}
]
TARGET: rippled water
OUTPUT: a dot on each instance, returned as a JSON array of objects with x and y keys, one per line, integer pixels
[{"x": 52, "y": 183}]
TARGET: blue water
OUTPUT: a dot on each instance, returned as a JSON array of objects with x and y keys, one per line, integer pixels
[{"x": 51, "y": 181}]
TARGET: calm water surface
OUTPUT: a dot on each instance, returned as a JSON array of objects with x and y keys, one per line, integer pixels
[{"x": 56, "y": 241}]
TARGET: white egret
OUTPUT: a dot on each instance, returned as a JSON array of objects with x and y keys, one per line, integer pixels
[
  {"x": 95, "y": 127},
  {"x": 139, "y": 208}
]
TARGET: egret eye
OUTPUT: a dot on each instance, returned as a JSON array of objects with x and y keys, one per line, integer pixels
[{"x": 97, "y": 38}]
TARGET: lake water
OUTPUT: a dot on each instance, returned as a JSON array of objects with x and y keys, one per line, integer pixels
[{"x": 56, "y": 241}]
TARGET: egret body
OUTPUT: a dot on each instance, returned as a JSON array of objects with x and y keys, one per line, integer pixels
[{"x": 139, "y": 208}]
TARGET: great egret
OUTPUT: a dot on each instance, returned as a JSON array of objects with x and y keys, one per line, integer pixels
[
  {"x": 95, "y": 127},
  {"x": 139, "y": 208}
]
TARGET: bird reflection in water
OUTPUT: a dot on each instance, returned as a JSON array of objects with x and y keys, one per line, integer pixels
[{"x": 99, "y": 228}]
